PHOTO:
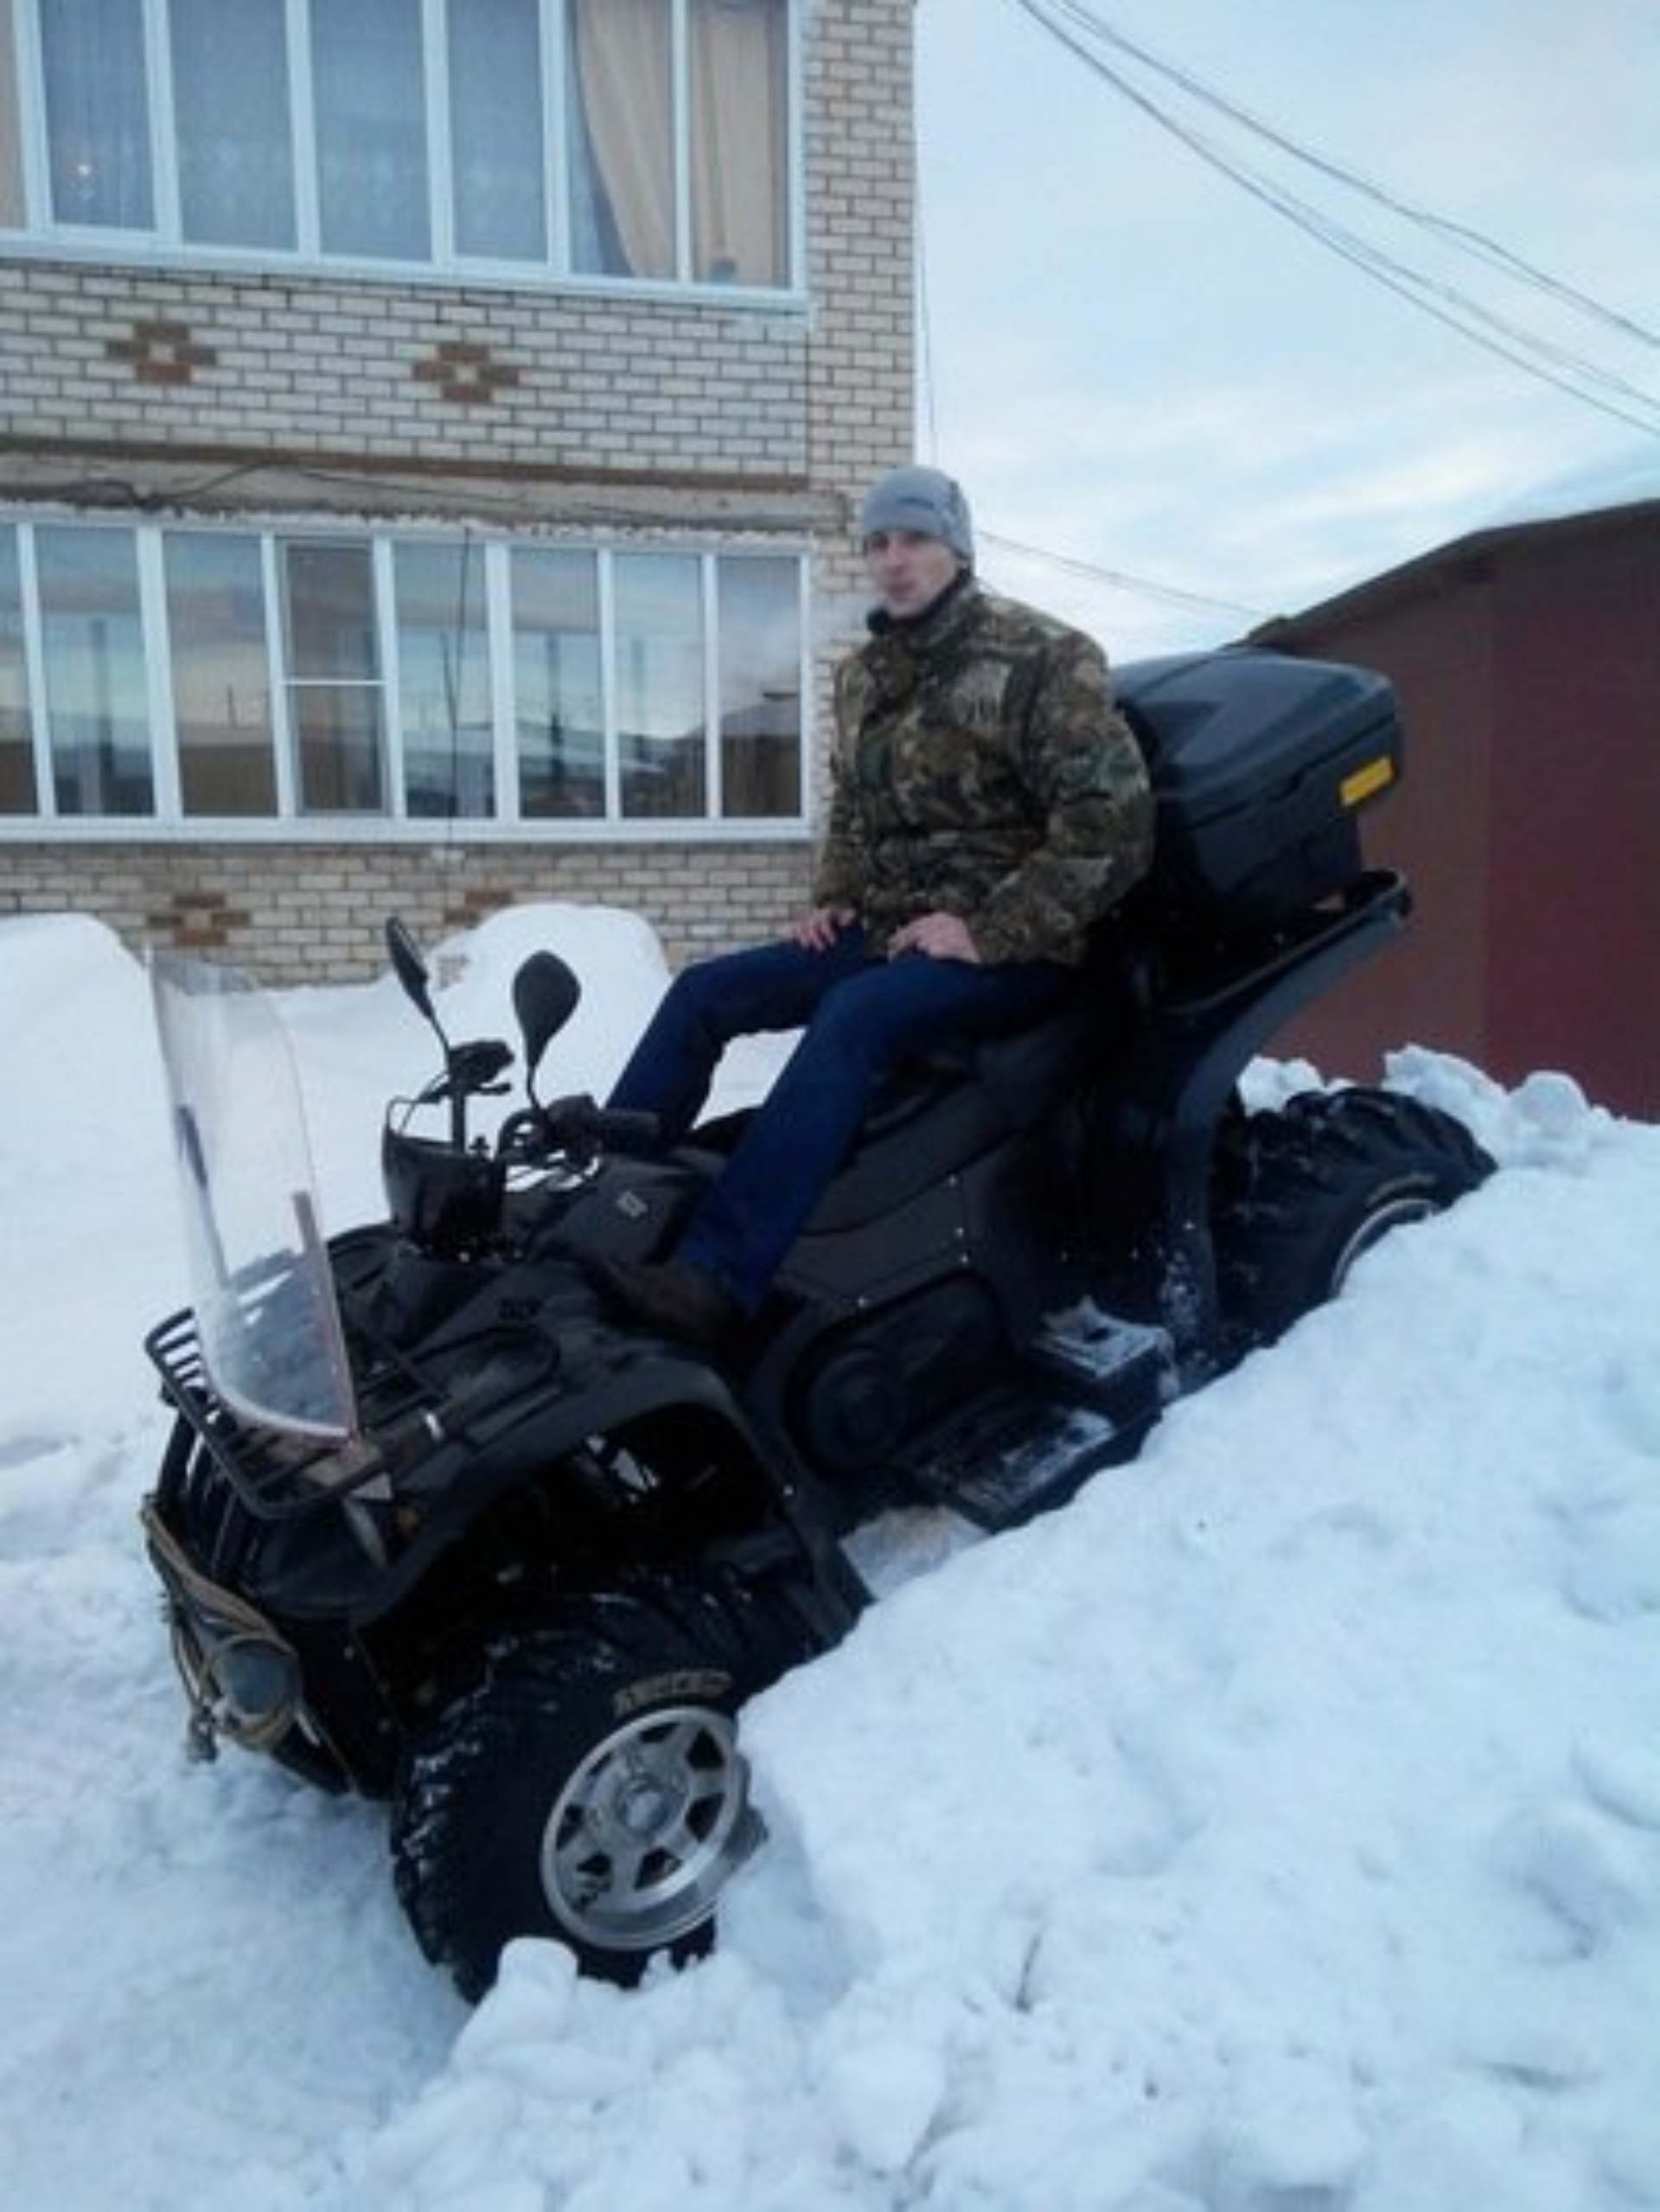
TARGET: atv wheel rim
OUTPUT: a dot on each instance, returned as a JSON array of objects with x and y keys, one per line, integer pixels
[{"x": 648, "y": 1830}]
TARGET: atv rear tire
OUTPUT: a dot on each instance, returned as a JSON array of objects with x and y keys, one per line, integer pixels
[
  {"x": 590, "y": 1789},
  {"x": 1311, "y": 1188}
]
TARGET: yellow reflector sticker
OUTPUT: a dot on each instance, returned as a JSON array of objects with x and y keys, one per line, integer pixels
[{"x": 1376, "y": 776}]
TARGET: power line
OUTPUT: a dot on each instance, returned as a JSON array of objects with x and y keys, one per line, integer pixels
[
  {"x": 1142, "y": 587},
  {"x": 1536, "y": 356}
]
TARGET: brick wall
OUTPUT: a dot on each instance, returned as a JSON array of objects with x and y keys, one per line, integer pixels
[
  {"x": 191, "y": 390},
  {"x": 303, "y": 914}
]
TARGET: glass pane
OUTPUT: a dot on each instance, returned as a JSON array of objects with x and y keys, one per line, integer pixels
[
  {"x": 221, "y": 696},
  {"x": 760, "y": 687},
  {"x": 495, "y": 130},
  {"x": 740, "y": 164},
  {"x": 369, "y": 95},
  {"x": 443, "y": 679},
  {"x": 334, "y": 696},
  {"x": 11, "y": 171},
  {"x": 621, "y": 128},
  {"x": 559, "y": 713},
  {"x": 17, "y": 791},
  {"x": 94, "y": 654},
  {"x": 231, "y": 114},
  {"x": 97, "y": 111},
  {"x": 660, "y": 684}
]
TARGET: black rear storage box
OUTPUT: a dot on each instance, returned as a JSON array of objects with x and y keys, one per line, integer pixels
[{"x": 1260, "y": 764}]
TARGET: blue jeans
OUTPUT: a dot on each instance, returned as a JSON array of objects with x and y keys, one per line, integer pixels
[{"x": 861, "y": 1017}]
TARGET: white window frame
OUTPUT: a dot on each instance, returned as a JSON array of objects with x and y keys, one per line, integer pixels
[
  {"x": 393, "y": 821},
  {"x": 163, "y": 243}
]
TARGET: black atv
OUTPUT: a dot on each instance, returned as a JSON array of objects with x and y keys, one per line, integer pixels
[{"x": 437, "y": 1525}]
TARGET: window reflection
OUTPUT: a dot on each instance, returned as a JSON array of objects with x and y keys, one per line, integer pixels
[
  {"x": 444, "y": 680},
  {"x": 760, "y": 686},
  {"x": 629, "y": 678},
  {"x": 660, "y": 684},
  {"x": 559, "y": 712},
  {"x": 334, "y": 668},
  {"x": 93, "y": 643},
  {"x": 222, "y": 690},
  {"x": 17, "y": 789}
]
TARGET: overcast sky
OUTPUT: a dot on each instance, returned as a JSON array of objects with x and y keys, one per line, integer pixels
[{"x": 1131, "y": 361}]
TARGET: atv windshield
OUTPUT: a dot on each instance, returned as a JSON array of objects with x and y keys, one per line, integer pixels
[{"x": 266, "y": 1317}]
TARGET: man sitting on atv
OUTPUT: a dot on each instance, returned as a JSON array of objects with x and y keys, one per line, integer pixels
[{"x": 989, "y": 805}]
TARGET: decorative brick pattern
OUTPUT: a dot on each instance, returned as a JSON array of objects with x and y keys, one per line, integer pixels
[
  {"x": 161, "y": 351},
  {"x": 466, "y": 374}
]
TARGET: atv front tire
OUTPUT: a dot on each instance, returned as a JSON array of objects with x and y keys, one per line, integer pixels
[
  {"x": 1313, "y": 1188},
  {"x": 591, "y": 1789}
]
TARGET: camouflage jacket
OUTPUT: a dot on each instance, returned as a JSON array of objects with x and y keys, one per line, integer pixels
[{"x": 982, "y": 769}]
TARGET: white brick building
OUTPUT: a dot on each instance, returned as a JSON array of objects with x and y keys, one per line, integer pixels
[{"x": 429, "y": 433}]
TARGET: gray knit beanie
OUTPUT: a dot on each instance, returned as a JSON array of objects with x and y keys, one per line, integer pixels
[{"x": 924, "y": 500}]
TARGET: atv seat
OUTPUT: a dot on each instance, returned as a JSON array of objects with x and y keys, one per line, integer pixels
[{"x": 950, "y": 1107}]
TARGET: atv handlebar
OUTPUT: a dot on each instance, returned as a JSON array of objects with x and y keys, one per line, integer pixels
[{"x": 578, "y": 1129}]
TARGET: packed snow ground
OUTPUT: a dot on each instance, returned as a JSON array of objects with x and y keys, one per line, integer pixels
[{"x": 1276, "y": 1829}]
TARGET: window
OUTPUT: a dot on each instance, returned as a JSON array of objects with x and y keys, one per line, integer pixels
[
  {"x": 233, "y": 122},
  {"x": 93, "y": 655},
  {"x": 11, "y": 136},
  {"x": 621, "y": 141},
  {"x": 97, "y": 112},
  {"x": 444, "y": 680},
  {"x": 662, "y": 755},
  {"x": 558, "y": 704},
  {"x": 370, "y": 100},
  {"x": 498, "y": 146},
  {"x": 195, "y": 674},
  {"x": 221, "y": 677},
  {"x": 333, "y": 678},
  {"x": 760, "y": 687},
  {"x": 17, "y": 792}
]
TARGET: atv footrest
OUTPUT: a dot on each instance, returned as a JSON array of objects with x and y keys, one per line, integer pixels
[
  {"x": 1015, "y": 1456},
  {"x": 1091, "y": 1392}
]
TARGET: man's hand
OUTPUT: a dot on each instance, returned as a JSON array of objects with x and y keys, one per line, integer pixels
[
  {"x": 938, "y": 936},
  {"x": 819, "y": 928}
]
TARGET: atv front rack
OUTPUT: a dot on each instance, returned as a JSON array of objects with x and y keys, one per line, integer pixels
[{"x": 408, "y": 1409}]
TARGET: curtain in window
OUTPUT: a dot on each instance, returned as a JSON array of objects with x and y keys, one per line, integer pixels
[
  {"x": 622, "y": 137},
  {"x": 97, "y": 112},
  {"x": 738, "y": 157}
]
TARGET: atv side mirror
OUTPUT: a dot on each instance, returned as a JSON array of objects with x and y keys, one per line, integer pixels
[
  {"x": 545, "y": 995},
  {"x": 410, "y": 967}
]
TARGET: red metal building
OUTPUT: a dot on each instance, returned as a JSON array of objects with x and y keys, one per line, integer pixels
[{"x": 1527, "y": 661}]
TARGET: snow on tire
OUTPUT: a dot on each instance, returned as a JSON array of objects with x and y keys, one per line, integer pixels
[{"x": 1313, "y": 1186}]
